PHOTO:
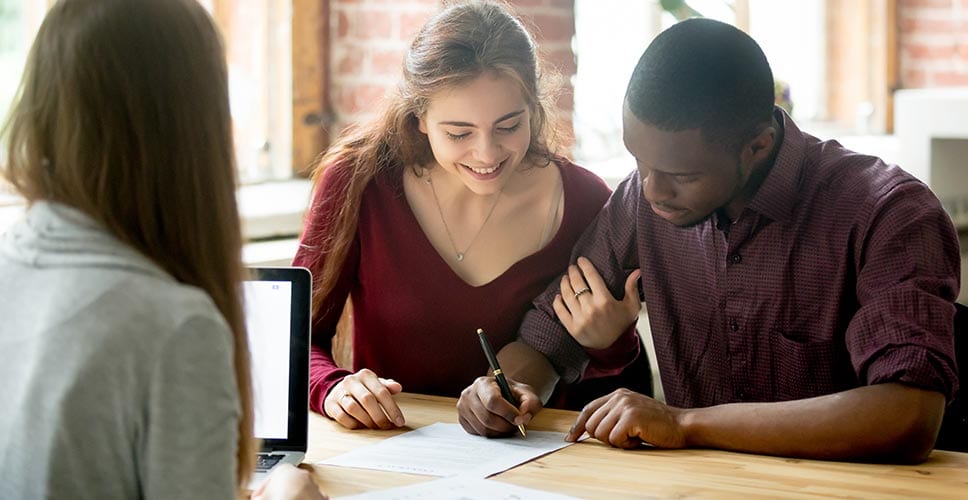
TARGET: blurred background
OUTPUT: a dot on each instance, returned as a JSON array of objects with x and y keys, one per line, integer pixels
[{"x": 884, "y": 77}]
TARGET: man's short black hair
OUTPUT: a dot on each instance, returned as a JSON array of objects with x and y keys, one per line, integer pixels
[{"x": 703, "y": 74}]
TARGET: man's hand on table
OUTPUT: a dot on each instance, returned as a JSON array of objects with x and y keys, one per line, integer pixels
[{"x": 626, "y": 419}]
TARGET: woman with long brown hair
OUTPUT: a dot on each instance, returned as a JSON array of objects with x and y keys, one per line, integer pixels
[
  {"x": 449, "y": 213},
  {"x": 125, "y": 370}
]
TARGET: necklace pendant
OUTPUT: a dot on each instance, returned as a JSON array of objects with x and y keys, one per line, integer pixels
[{"x": 460, "y": 256}]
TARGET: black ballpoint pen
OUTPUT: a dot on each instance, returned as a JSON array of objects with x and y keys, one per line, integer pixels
[{"x": 502, "y": 381}]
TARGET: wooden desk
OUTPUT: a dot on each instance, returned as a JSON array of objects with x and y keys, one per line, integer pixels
[{"x": 593, "y": 470}]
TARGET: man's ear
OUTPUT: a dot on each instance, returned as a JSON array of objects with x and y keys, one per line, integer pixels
[{"x": 758, "y": 149}]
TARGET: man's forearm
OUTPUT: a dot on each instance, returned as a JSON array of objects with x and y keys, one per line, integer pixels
[
  {"x": 885, "y": 422},
  {"x": 522, "y": 363}
]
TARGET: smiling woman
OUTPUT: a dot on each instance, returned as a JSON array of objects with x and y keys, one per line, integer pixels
[{"x": 450, "y": 212}]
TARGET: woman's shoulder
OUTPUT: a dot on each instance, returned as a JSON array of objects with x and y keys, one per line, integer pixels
[
  {"x": 111, "y": 283},
  {"x": 332, "y": 174},
  {"x": 336, "y": 176},
  {"x": 123, "y": 313},
  {"x": 580, "y": 182},
  {"x": 162, "y": 302}
]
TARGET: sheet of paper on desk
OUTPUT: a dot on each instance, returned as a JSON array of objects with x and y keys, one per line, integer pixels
[
  {"x": 446, "y": 450},
  {"x": 459, "y": 488}
]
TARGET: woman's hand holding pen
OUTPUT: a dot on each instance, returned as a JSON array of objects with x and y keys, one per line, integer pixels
[
  {"x": 482, "y": 410},
  {"x": 365, "y": 400}
]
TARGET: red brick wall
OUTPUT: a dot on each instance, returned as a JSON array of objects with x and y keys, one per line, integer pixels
[
  {"x": 553, "y": 24},
  {"x": 369, "y": 39},
  {"x": 933, "y": 36}
]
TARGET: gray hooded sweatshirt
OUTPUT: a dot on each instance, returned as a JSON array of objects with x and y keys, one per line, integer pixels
[{"x": 116, "y": 381}]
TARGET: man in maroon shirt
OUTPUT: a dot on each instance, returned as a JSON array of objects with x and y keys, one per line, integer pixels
[{"x": 800, "y": 294}]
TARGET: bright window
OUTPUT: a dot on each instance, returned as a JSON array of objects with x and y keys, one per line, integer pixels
[
  {"x": 611, "y": 35},
  {"x": 19, "y": 20},
  {"x": 258, "y": 38},
  {"x": 259, "y": 45}
]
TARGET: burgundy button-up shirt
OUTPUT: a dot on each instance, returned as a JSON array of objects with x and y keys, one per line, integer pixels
[{"x": 841, "y": 272}]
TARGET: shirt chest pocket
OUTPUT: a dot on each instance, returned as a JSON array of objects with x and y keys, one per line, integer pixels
[{"x": 802, "y": 367}]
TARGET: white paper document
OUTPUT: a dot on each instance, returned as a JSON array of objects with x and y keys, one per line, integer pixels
[
  {"x": 459, "y": 488},
  {"x": 446, "y": 450}
]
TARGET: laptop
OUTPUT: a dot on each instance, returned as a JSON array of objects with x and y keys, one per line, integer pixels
[{"x": 277, "y": 311}]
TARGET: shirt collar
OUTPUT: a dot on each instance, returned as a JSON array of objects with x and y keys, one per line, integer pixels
[{"x": 777, "y": 196}]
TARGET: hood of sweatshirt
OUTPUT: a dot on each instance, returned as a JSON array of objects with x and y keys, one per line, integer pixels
[{"x": 56, "y": 235}]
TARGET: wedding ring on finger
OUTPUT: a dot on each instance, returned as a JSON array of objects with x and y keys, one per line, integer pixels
[{"x": 583, "y": 290}]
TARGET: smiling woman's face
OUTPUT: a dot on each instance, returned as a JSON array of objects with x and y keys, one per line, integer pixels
[{"x": 480, "y": 131}]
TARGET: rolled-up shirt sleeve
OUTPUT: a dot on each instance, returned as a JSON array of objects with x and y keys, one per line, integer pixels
[{"x": 907, "y": 280}]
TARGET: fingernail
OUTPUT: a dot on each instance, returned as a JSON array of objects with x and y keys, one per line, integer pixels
[{"x": 399, "y": 421}]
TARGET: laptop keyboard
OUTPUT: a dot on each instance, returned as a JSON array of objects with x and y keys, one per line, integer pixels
[{"x": 264, "y": 461}]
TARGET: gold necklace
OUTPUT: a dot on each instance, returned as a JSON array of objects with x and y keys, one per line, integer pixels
[{"x": 450, "y": 237}]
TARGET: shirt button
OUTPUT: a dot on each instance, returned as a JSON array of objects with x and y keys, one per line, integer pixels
[
  {"x": 741, "y": 395},
  {"x": 735, "y": 258},
  {"x": 733, "y": 325}
]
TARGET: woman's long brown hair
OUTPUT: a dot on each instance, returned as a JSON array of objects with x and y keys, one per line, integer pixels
[
  {"x": 459, "y": 44},
  {"x": 123, "y": 113}
]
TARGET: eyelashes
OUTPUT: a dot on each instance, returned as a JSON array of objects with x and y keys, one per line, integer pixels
[{"x": 503, "y": 130}]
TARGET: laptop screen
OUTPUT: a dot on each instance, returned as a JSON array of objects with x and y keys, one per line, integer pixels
[
  {"x": 277, "y": 320},
  {"x": 267, "y": 306}
]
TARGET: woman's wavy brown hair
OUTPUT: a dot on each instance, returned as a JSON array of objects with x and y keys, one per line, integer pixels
[
  {"x": 123, "y": 113},
  {"x": 462, "y": 42}
]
